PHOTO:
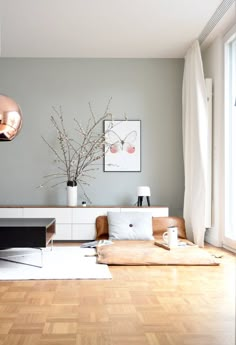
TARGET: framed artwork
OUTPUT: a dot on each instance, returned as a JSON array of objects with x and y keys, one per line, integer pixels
[{"x": 123, "y": 146}]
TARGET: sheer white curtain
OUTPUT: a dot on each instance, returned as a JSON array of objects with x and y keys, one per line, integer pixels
[{"x": 195, "y": 139}]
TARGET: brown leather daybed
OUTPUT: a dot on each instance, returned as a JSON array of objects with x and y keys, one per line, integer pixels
[{"x": 145, "y": 252}]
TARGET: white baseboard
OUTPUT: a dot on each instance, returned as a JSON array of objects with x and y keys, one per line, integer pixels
[
  {"x": 212, "y": 237},
  {"x": 229, "y": 248}
]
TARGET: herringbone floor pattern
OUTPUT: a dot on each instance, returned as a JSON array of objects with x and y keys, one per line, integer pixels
[{"x": 139, "y": 306}]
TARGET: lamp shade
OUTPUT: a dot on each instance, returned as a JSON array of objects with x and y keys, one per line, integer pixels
[
  {"x": 10, "y": 118},
  {"x": 143, "y": 191}
]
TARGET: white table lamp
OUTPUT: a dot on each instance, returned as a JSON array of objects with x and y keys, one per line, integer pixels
[{"x": 141, "y": 192}]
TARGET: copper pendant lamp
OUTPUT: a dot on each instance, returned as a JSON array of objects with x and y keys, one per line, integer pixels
[{"x": 10, "y": 118}]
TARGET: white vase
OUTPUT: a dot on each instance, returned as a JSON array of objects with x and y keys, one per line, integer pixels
[{"x": 71, "y": 194}]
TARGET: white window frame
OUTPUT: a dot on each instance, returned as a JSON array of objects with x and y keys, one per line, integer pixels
[{"x": 228, "y": 241}]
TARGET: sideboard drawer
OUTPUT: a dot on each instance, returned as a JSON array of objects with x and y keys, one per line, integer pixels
[
  {"x": 156, "y": 211},
  {"x": 83, "y": 232},
  {"x": 11, "y": 212},
  {"x": 63, "y": 232},
  {"x": 62, "y": 215},
  {"x": 89, "y": 215}
]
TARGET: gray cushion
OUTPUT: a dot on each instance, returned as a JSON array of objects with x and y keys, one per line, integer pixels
[{"x": 130, "y": 225}]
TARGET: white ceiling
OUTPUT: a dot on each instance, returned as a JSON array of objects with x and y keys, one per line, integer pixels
[{"x": 102, "y": 28}]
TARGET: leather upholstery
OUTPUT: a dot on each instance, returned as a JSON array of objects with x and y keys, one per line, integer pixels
[
  {"x": 102, "y": 228},
  {"x": 147, "y": 253},
  {"x": 160, "y": 225}
]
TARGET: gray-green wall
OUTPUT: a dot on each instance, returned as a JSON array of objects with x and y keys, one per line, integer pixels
[{"x": 149, "y": 90}]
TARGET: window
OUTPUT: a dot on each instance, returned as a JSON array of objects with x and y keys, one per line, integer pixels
[{"x": 230, "y": 140}]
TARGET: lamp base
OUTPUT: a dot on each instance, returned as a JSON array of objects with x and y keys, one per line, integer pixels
[{"x": 140, "y": 201}]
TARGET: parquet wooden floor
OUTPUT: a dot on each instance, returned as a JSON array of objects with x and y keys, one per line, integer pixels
[{"x": 139, "y": 306}]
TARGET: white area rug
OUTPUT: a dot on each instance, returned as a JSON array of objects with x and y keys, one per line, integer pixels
[{"x": 58, "y": 263}]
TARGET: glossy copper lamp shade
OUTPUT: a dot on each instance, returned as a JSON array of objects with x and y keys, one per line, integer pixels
[{"x": 10, "y": 118}]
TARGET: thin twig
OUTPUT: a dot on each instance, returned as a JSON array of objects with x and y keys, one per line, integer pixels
[{"x": 76, "y": 157}]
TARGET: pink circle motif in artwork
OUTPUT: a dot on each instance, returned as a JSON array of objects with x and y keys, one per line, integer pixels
[
  {"x": 114, "y": 148},
  {"x": 130, "y": 149}
]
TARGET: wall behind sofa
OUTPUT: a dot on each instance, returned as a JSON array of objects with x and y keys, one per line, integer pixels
[{"x": 144, "y": 89}]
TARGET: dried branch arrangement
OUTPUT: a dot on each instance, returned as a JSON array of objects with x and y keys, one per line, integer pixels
[{"x": 77, "y": 159}]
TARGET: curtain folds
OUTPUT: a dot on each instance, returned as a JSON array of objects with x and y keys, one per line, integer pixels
[{"x": 195, "y": 145}]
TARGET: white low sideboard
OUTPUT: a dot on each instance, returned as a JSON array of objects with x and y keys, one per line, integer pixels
[{"x": 74, "y": 223}]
